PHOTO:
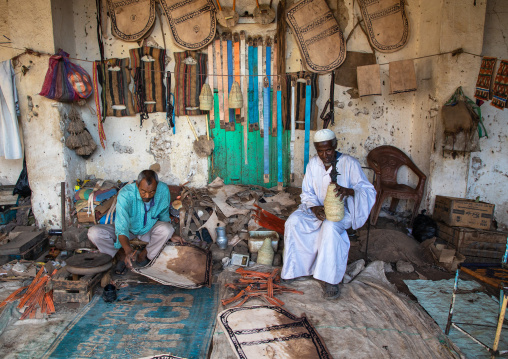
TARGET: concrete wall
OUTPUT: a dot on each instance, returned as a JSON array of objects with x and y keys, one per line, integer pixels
[{"x": 410, "y": 121}]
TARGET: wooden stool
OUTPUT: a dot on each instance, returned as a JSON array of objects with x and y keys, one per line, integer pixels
[{"x": 74, "y": 288}]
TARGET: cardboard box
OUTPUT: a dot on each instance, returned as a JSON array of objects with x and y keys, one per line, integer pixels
[
  {"x": 463, "y": 212},
  {"x": 477, "y": 245}
]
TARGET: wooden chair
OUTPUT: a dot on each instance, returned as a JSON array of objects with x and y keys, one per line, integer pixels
[{"x": 386, "y": 161}]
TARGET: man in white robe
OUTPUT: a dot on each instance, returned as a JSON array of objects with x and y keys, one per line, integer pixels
[{"x": 314, "y": 245}]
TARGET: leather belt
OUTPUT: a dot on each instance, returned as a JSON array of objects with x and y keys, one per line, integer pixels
[
  {"x": 266, "y": 138},
  {"x": 280, "y": 180},
  {"x": 211, "y": 113},
  {"x": 276, "y": 85},
  {"x": 225, "y": 78},
  {"x": 236, "y": 50},
  {"x": 218, "y": 67},
  {"x": 308, "y": 95},
  {"x": 230, "y": 65},
  {"x": 261, "y": 72},
  {"x": 293, "y": 129},
  {"x": 244, "y": 85}
]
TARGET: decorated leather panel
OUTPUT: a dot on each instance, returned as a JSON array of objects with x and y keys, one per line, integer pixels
[
  {"x": 131, "y": 19},
  {"x": 318, "y": 35},
  {"x": 387, "y": 24},
  {"x": 192, "y": 22},
  {"x": 190, "y": 75}
]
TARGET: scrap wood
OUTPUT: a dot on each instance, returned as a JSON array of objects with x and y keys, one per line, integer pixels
[{"x": 253, "y": 284}]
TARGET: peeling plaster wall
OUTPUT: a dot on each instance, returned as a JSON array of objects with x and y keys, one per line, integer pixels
[{"x": 488, "y": 169}]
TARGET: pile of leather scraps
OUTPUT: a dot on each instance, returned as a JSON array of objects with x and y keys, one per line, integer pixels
[
  {"x": 233, "y": 206},
  {"x": 253, "y": 284}
]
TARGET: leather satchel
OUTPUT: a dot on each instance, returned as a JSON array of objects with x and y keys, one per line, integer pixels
[
  {"x": 318, "y": 35},
  {"x": 131, "y": 20},
  {"x": 192, "y": 22},
  {"x": 387, "y": 24}
]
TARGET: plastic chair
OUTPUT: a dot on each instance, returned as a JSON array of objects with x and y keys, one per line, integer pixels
[{"x": 386, "y": 161}]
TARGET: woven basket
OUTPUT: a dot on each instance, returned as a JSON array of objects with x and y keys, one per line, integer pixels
[
  {"x": 334, "y": 207},
  {"x": 206, "y": 98},
  {"x": 235, "y": 96}
]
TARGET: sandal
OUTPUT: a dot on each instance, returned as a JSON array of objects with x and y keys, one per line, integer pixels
[
  {"x": 143, "y": 263},
  {"x": 120, "y": 268},
  {"x": 331, "y": 291}
]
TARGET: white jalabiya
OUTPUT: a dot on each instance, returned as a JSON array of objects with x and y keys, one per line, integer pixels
[
  {"x": 10, "y": 141},
  {"x": 320, "y": 248}
]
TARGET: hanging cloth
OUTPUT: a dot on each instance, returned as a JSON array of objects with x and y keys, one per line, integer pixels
[
  {"x": 308, "y": 95},
  {"x": 266, "y": 138},
  {"x": 220, "y": 90},
  {"x": 262, "y": 71},
  {"x": 484, "y": 81},
  {"x": 279, "y": 139},
  {"x": 230, "y": 81},
  {"x": 190, "y": 76},
  {"x": 500, "y": 89},
  {"x": 10, "y": 142},
  {"x": 115, "y": 78},
  {"x": 100, "y": 128}
]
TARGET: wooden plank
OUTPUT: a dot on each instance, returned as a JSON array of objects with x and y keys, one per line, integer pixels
[
  {"x": 6, "y": 196},
  {"x": 23, "y": 242}
]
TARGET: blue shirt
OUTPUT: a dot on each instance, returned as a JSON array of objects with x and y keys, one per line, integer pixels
[{"x": 131, "y": 214}]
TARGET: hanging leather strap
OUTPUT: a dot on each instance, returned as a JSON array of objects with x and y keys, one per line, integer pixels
[
  {"x": 308, "y": 95},
  {"x": 280, "y": 180},
  {"x": 293, "y": 129},
  {"x": 276, "y": 84},
  {"x": 262, "y": 71},
  {"x": 225, "y": 79},
  {"x": 218, "y": 69},
  {"x": 266, "y": 138},
  {"x": 268, "y": 71},
  {"x": 251, "y": 97},
  {"x": 236, "y": 58},
  {"x": 169, "y": 106},
  {"x": 230, "y": 82},
  {"x": 328, "y": 117},
  {"x": 243, "y": 80},
  {"x": 100, "y": 128},
  {"x": 210, "y": 82}
]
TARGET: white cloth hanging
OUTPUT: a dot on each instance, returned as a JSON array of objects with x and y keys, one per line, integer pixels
[
  {"x": 10, "y": 142},
  {"x": 321, "y": 248}
]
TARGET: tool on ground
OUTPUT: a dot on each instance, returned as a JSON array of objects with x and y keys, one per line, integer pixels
[
  {"x": 203, "y": 145},
  {"x": 328, "y": 118},
  {"x": 261, "y": 285}
]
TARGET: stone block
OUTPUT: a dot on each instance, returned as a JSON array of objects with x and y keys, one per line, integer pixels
[
  {"x": 73, "y": 238},
  {"x": 404, "y": 267}
]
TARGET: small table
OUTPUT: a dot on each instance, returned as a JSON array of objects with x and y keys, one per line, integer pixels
[{"x": 495, "y": 276}]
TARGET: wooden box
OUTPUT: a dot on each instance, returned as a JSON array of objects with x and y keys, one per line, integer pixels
[
  {"x": 463, "y": 212},
  {"x": 478, "y": 246},
  {"x": 69, "y": 288},
  {"x": 84, "y": 217}
]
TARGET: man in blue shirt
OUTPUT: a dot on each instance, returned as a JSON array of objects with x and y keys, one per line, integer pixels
[{"x": 142, "y": 211}]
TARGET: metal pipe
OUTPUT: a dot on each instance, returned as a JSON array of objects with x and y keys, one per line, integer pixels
[{"x": 452, "y": 304}]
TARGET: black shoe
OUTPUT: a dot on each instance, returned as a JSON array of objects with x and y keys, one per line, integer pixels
[{"x": 331, "y": 291}]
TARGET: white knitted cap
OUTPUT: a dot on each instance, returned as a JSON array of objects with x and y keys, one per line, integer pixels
[{"x": 324, "y": 135}]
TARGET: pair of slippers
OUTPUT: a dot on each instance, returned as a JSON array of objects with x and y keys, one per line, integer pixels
[{"x": 121, "y": 268}]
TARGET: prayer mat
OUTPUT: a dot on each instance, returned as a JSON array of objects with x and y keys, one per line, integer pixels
[
  {"x": 300, "y": 99},
  {"x": 500, "y": 89},
  {"x": 180, "y": 265},
  {"x": 386, "y": 23},
  {"x": 317, "y": 34},
  {"x": 345, "y": 75},
  {"x": 190, "y": 76},
  {"x": 264, "y": 331},
  {"x": 402, "y": 76},
  {"x": 369, "y": 80},
  {"x": 152, "y": 63},
  {"x": 484, "y": 81},
  {"x": 131, "y": 20},
  {"x": 115, "y": 78},
  {"x": 145, "y": 320}
]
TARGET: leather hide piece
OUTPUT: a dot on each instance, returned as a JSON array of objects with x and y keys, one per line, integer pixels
[
  {"x": 318, "y": 35},
  {"x": 131, "y": 19},
  {"x": 271, "y": 332},
  {"x": 402, "y": 76},
  {"x": 192, "y": 22},
  {"x": 345, "y": 75},
  {"x": 180, "y": 265},
  {"x": 369, "y": 80},
  {"x": 387, "y": 24}
]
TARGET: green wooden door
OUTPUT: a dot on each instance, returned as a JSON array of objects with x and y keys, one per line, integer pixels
[{"x": 228, "y": 158}]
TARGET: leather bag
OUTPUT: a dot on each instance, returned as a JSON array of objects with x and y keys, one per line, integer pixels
[
  {"x": 387, "y": 24},
  {"x": 318, "y": 35},
  {"x": 131, "y": 20},
  {"x": 192, "y": 22}
]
